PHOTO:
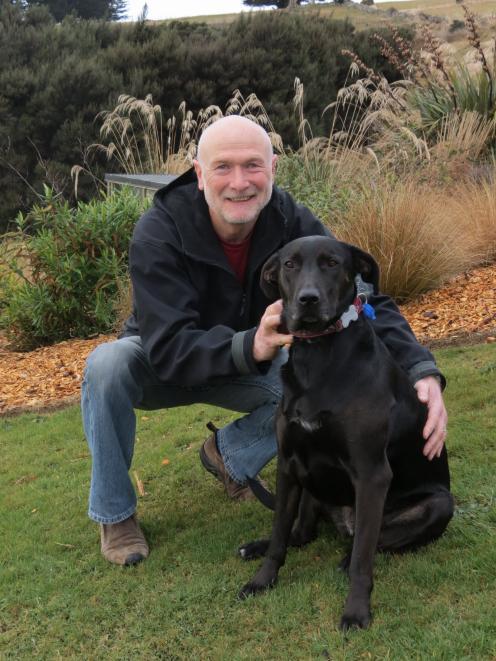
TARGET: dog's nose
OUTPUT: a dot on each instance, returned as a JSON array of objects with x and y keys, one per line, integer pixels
[{"x": 308, "y": 296}]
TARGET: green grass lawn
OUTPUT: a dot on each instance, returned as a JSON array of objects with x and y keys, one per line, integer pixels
[{"x": 60, "y": 599}]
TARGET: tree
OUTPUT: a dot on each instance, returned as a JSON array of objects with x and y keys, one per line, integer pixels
[{"x": 112, "y": 10}]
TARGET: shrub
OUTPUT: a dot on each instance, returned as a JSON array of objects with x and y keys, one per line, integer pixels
[{"x": 68, "y": 265}]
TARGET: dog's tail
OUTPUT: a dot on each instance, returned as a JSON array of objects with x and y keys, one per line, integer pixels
[{"x": 262, "y": 494}]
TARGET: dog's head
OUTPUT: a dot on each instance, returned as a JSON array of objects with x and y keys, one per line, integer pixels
[{"x": 315, "y": 276}]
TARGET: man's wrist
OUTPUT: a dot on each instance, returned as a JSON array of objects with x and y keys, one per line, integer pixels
[
  {"x": 242, "y": 353},
  {"x": 424, "y": 369}
]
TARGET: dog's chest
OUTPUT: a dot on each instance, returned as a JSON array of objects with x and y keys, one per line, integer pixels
[
  {"x": 317, "y": 455},
  {"x": 322, "y": 414}
]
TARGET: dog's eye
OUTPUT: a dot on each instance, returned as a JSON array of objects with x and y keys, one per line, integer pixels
[
  {"x": 289, "y": 264},
  {"x": 331, "y": 262}
]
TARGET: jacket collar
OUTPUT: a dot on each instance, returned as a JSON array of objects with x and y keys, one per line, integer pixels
[{"x": 186, "y": 206}]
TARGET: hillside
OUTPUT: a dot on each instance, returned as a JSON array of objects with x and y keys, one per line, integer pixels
[{"x": 439, "y": 13}]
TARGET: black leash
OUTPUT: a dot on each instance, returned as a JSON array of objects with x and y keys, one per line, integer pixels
[{"x": 262, "y": 494}]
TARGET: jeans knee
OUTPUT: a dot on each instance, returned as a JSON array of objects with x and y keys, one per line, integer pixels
[{"x": 108, "y": 365}]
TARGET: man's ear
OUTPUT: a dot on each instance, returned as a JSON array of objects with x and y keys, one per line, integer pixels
[
  {"x": 274, "y": 165},
  {"x": 269, "y": 278},
  {"x": 366, "y": 265},
  {"x": 199, "y": 173}
]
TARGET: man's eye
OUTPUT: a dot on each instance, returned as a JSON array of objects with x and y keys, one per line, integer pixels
[{"x": 289, "y": 264}]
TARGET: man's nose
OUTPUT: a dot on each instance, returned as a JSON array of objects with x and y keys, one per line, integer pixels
[{"x": 239, "y": 180}]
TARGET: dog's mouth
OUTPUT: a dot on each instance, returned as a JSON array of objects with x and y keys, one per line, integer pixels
[{"x": 304, "y": 323}]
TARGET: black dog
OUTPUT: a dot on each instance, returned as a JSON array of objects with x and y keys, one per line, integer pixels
[{"x": 349, "y": 427}]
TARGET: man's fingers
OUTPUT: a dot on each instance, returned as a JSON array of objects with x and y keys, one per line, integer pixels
[
  {"x": 267, "y": 339},
  {"x": 434, "y": 432},
  {"x": 422, "y": 392},
  {"x": 272, "y": 321},
  {"x": 274, "y": 308},
  {"x": 434, "y": 445}
]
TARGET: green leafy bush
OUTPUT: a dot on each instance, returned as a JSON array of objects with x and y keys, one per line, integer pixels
[{"x": 68, "y": 266}]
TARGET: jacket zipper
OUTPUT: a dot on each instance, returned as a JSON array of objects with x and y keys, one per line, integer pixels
[{"x": 243, "y": 305}]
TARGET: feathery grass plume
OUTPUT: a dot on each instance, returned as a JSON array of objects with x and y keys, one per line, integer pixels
[
  {"x": 135, "y": 138},
  {"x": 337, "y": 157},
  {"x": 383, "y": 120},
  {"x": 252, "y": 108}
]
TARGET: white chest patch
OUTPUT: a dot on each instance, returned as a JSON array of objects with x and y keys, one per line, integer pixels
[{"x": 308, "y": 425}]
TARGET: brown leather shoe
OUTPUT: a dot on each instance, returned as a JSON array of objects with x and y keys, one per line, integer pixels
[
  {"x": 213, "y": 462},
  {"x": 123, "y": 543}
]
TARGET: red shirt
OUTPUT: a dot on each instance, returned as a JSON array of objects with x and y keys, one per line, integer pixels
[{"x": 237, "y": 254}]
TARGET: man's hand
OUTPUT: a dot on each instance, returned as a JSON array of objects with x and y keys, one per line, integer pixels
[
  {"x": 268, "y": 340},
  {"x": 429, "y": 392}
]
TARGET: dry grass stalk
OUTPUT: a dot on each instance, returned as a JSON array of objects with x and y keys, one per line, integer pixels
[
  {"x": 464, "y": 134},
  {"x": 139, "y": 485}
]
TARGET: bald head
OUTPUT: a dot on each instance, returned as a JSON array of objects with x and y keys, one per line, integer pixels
[
  {"x": 235, "y": 169},
  {"x": 232, "y": 130}
]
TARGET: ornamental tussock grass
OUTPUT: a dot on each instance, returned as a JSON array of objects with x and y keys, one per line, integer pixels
[
  {"x": 472, "y": 210},
  {"x": 406, "y": 228}
]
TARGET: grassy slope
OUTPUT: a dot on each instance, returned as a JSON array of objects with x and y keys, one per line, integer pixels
[
  {"x": 365, "y": 19},
  {"x": 58, "y": 597}
]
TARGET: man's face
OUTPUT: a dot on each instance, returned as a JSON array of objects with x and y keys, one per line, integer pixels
[{"x": 236, "y": 176}]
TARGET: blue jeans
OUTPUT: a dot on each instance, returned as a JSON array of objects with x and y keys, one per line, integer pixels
[{"x": 119, "y": 378}]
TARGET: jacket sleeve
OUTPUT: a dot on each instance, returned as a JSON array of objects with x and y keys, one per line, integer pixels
[
  {"x": 393, "y": 329},
  {"x": 390, "y": 325},
  {"x": 166, "y": 308}
]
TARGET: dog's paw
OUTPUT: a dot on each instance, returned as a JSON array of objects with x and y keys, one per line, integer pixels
[
  {"x": 344, "y": 565},
  {"x": 301, "y": 537},
  {"x": 254, "y": 587},
  {"x": 253, "y": 550},
  {"x": 357, "y": 620}
]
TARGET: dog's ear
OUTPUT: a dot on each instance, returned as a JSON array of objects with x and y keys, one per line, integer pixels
[
  {"x": 366, "y": 265},
  {"x": 269, "y": 278}
]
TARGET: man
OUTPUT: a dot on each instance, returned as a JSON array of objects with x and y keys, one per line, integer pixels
[{"x": 202, "y": 331}]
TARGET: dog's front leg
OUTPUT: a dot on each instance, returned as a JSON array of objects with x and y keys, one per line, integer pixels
[
  {"x": 288, "y": 494},
  {"x": 371, "y": 490}
]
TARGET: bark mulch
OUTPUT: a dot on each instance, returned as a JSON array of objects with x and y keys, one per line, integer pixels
[{"x": 462, "y": 312}]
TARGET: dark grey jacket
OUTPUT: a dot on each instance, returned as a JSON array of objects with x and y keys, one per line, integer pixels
[{"x": 195, "y": 319}]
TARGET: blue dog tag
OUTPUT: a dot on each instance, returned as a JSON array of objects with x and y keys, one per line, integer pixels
[{"x": 368, "y": 311}]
